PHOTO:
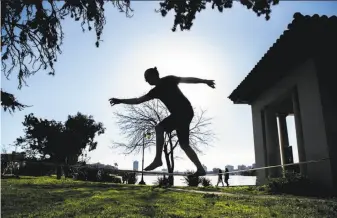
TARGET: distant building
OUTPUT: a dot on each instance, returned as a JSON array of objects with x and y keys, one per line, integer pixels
[
  {"x": 215, "y": 170},
  {"x": 242, "y": 167},
  {"x": 135, "y": 165},
  {"x": 164, "y": 170},
  {"x": 230, "y": 168}
]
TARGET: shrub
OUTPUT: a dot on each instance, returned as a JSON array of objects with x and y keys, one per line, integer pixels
[
  {"x": 161, "y": 181},
  {"x": 116, "y": 179},
  {"x": 293, "y": 183},
  {"x": 36, "y": 168},
  {"x": 93, "y": 174},
  {"x": 192, "y": 180},
  {"x": 205, "y": 182},
  {"x": 132, "y": 178}
]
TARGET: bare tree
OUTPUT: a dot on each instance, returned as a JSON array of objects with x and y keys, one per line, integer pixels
[{"x": 134, "y": 121}]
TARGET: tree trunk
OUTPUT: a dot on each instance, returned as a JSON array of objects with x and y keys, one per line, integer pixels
[
  {"x": 66, "y": 171},
  {"x": 171, "y": 169},
  {"x": 169, "y": 166},
  {"x": 58, "y": 172}
]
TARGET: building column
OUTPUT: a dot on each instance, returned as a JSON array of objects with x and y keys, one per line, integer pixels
[
  {"x": 272, "y": 143},
  {"x": 284, "y": 140},
  {"x": 299, "y": 133},
  {"x": 259, "y": 145}
]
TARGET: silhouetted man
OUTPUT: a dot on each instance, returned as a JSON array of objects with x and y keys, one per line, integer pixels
[
  {"x": 220, "y": 178},
  {"x": 226, "y": 176},
  {"x": 166, "y": 89}
]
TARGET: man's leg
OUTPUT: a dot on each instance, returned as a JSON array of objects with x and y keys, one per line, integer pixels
[
  {"x": 165, "y": 125},
  {"x": 184, "y": 141}
]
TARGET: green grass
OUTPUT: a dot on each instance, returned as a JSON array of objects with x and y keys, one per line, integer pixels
[
  {"x": 48, "y": 197},
  {"x": 252, "y": 190}
]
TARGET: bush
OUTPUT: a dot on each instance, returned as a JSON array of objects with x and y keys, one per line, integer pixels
[
  {"x": 36, "y": 168},
  {"x": 93, "y": 174},
  {"x": 132, "y": 178},
  {"x": 116, "y": 179},
  {"x": 161, "y": 181},
  {"x": 206, "y": 182},
  {"x": 192, "y": 180},
  {"x": 293, "y": 183}
]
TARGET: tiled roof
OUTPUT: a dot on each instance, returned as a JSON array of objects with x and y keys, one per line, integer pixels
[{"x": 305, "y": 37}]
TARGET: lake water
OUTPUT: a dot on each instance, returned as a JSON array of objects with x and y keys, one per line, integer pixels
[{"x": 234, "y": 180}]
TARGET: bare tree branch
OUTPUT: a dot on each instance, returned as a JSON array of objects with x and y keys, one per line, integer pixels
[{"x": 135, "y": 120}]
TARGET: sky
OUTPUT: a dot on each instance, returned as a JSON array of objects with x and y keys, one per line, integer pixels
[{"x": 220, "y": 46}]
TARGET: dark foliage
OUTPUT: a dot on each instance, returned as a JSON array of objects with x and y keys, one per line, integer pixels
[
  {"x": 185, "y": 11},
  {"x": 295, "y": 184},
  {"x": 162, "y": 181},
  {"x": 206, "y": 182},
  {"x": 192, "y": 180},
  {"x": 132, "y": 178},
  {"x": 248, "y": 173},
  {"x": 94, "y": 174},
  {"x": 32, "y": 33},
  {"x": 38, "y": 168},
  {"x": 59, "y": 142},
  {"x": 8, "y": 102}
]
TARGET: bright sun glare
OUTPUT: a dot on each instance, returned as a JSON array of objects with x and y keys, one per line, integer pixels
[{"x": 183, "y": 57}]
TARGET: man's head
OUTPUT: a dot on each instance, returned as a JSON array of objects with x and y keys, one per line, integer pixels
[{"x": 152, "y": 76}]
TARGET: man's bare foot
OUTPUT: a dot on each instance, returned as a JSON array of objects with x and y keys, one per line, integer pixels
[{"x": 155, "y": 164}]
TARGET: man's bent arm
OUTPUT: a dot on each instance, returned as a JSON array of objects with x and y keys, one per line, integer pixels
[
  {"x": 139, "y": 100},
  {"x": 191, "y": 80}
]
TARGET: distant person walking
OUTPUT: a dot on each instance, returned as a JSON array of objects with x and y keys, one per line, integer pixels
[
  {"x": 220, "y": 178},
  {"x": 226, "y": 176}
]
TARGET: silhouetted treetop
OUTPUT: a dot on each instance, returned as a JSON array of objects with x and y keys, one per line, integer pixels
[
  {"x": 185, "y": 11},
  {"x": 8, "y": 102},
  {"x": 31, "y": 31}
]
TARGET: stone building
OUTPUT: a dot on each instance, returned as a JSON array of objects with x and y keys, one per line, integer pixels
[{"x": 296, "y": 77}]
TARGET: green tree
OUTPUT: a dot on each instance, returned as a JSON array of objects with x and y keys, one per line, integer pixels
[{"x": 59, "y": 142}]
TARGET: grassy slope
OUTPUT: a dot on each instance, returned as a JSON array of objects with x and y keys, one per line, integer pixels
[{"x": 48, "y": 197}]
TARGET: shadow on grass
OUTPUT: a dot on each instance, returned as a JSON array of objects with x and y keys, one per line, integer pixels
[
  {"x": 80, "y": 185},
  {"x": 23, "y": 199}
]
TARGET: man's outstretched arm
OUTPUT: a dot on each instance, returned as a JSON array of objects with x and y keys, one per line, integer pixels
[
  {"x": 191, "y": 80},
  {"x": 196, "y": 80},
  {"x": 139, "y": 100}
]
